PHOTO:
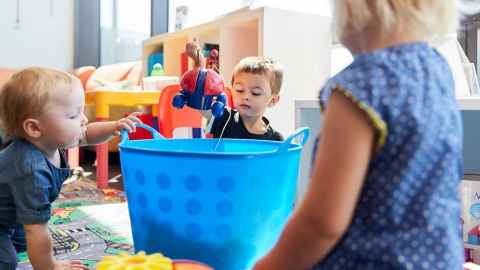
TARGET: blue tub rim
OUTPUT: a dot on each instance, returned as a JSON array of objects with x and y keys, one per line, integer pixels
[{"x": 283, "y": 146}]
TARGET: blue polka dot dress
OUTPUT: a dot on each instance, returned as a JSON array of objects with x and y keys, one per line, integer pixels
[{"x": 408, "y": 213}]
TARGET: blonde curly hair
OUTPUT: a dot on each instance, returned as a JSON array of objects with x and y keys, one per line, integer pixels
[
  {"x": 428, "y": 19},
  {"x": 26, "y": 94}
]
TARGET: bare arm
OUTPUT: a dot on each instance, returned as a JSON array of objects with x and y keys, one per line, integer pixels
[
  {"x": 194, "y": 52},
  {"x": 325, "y": 213},
  {"x": 99, "y": 132},
  {"x": 39, "y": 247},
  {"x": 39, "y": 250}
]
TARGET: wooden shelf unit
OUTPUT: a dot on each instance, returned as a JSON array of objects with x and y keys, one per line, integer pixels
[{"x": 300, "y": 42}]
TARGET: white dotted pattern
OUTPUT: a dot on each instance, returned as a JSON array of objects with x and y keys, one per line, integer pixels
[{"x": 408, "y": 214}]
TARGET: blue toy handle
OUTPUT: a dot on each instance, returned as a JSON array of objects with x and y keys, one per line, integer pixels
[
  {"x": 155, "y": 134},
  {"x": 303, "y": 131}
]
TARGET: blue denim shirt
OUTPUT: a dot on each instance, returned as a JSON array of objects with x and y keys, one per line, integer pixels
[
  {"x": 408, "y": 212},
  {"x": 29, "y": 183}
]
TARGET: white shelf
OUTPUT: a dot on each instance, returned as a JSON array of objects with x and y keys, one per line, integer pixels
[
  {"x": 469, "y": 103},
  {"x": 307, "y": 103},
  {"x": 300, "y": 42},
  {"x": 237, "y": 34},
  {"x": 470, "y": 246},
  {"x": 465, "y": 103}
]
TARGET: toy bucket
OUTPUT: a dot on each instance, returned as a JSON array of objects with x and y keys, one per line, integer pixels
[{"x": 222, "y": 202}]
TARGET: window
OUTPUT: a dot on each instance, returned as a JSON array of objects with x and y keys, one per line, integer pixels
[
  {"x": 124, "y": 26},
  {"x": 468, "y": 36}
]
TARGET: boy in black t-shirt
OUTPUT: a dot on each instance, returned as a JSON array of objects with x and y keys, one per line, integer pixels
[{"x": 256, "y": 84}]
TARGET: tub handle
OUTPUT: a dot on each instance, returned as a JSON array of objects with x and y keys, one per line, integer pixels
[
  {"x": 303, "y": 131},
  {"x": 155, "y": 134}
]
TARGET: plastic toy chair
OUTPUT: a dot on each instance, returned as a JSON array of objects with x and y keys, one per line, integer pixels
[
  {"x": 228, "y": 92},
  {"x": 171, "y": 118}
]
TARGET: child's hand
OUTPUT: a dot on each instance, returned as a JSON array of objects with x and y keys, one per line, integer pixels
[
  {"x": 192, "y": 50},
  {"x": 69, "y": 265},
  {"x": 127, "y": 123}
]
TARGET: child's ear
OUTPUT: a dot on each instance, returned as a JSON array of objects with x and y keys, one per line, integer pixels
[
  {"x": 32, "y": 128},
  {"x": 275, "y": 99}
]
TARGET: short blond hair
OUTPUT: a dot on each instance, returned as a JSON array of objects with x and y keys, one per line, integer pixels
[
  {"x": 26, "y": 94},
  {"x": 264, "y": 66},
  {"x": 429, "y": 19}
]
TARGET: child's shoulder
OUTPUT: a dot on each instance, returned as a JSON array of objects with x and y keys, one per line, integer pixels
[
  {"x": 20, "y": 157},
  {"x": 271, "y": 134},
  {"x": 355, "y": 78}
]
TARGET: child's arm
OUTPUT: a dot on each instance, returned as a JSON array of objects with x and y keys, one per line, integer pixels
[
  {"x": 99, "y": 132},
  {"x": 39, "y": 249},
  {"x": 193, "y": 51},
  {"x": 325, "y": 213}
]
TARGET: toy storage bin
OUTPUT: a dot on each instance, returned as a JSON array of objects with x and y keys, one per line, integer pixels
[{"x": 222, "y": 202}]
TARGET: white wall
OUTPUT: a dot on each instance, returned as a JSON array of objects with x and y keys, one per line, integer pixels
[
  {"x": 201, "y": 11},
  {"x": 321, "y": 7},
  {"x": 450, "y": 48},
  {"x": 207, "y": 10},
  {"x": 301, "y": 43},
  {"x": 44, "y": 36}
]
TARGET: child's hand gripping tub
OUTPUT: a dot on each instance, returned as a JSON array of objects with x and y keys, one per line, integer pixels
[
  {"x": 202, "y": 89},
  {"x": 141, "y": 261}
]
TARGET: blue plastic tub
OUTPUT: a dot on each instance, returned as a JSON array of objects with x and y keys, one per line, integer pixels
[{"x": 221, "y": 202}]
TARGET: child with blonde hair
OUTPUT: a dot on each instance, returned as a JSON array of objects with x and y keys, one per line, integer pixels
[
  {"x": 41, "y": 112},
  {"x": 256, "y": 83},
  {"x": 384, "y": 188}
]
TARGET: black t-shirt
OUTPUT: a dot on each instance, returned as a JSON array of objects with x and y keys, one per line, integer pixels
[{"x": 235, "y": 129}]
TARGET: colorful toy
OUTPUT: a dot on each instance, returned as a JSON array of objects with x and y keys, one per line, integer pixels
[
  {"x": 157, "y": 70},
  {"x": 474, "y": 236},
  {"x": 213, "y": 61},
  {"x": 202, "y": 89},
  {"x": 141, "y": 261}
]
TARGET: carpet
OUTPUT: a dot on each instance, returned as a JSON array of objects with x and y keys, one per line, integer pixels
[
  {"x": 87, "y": 233},
  {"x": 87, "y": 223}
]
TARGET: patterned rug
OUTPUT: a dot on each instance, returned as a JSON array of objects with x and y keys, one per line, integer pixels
[
  {"x": 87, "y": 224},
  {"x": 85, "y": 189}
]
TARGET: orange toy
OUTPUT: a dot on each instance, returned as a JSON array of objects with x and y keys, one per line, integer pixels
[
  {"x": 189, "y": 265},
  {"x": 170, "y": 118}
]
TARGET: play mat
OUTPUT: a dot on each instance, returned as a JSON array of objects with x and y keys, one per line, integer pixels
[{"x": 87, "y": 223}]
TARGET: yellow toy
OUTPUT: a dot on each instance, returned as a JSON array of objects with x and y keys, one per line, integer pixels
[{"x": 139, "y": 261}]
